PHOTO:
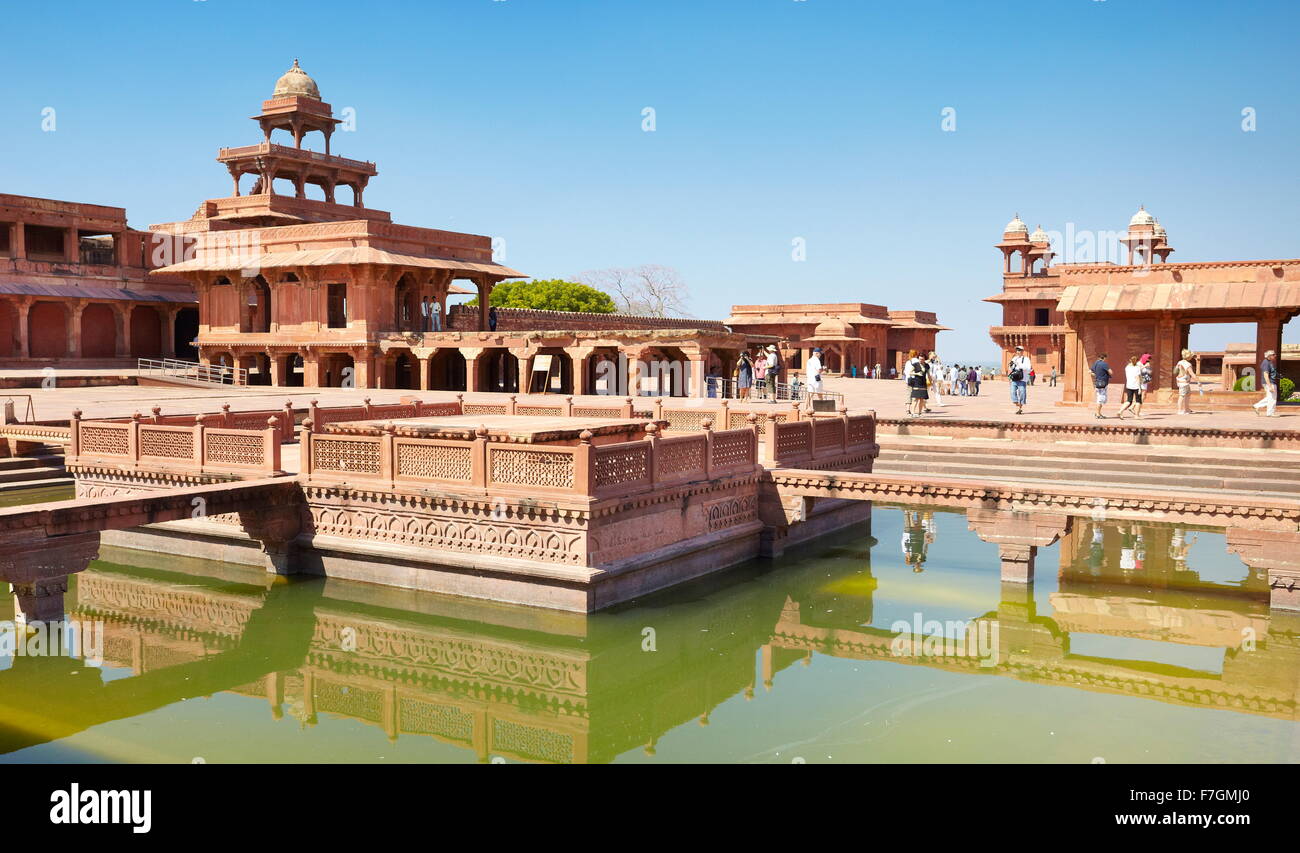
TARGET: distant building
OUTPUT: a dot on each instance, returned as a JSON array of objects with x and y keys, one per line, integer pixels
[
  {"x": 850, "y": 334},
  {"x": 1065, "y": 315}
]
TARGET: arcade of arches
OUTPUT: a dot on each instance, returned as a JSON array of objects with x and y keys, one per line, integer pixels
[{"x": 57, "y": 328}]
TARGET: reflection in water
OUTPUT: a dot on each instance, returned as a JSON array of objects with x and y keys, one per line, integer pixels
[{"x": 1149, "y": 643}]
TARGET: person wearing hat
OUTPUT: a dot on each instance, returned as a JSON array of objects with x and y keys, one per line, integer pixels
[
  {"x": 814, "y": 370},
  {"x": 773, "y": 371},
  {"x": 1018, "y": 374}
]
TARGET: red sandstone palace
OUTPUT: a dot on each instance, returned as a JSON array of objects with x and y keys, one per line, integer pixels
[
  {"x": 1065, "y": 315},
  {"x": 75, "y": 289}
]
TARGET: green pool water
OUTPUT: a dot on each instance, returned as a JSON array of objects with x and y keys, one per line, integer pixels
[{"x": 1135, "y": 643}]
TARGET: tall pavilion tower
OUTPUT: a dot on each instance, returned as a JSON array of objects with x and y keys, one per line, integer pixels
[{"x": 295, "y": 107}]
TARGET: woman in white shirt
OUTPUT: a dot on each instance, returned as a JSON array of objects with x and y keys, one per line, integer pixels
[
  {"x": 1184, "y": 376},
  {"x": 1132, "y": 389}
]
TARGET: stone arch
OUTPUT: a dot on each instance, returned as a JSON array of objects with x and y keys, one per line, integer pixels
[
  {"x": 447, "y": 370},
  {"x": 498, "y": 370},
  {"x": 98, "y": 331},
  {"x": 146, "y": 332},
  {"x": 47, "y": 330}
]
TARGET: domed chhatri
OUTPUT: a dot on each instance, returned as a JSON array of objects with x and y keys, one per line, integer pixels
[
  {"x": 1039, "y": 236},
  {"x": 1016, "y": 226},
  {"x": 834, "y": 328},
  {"x": 296, "y": 82},
  {"x": 1142, "y": 218}
]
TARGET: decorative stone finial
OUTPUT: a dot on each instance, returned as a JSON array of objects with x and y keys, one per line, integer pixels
[
  {"x": 307, "y": 424},
  {"x": 706, "y": 424},
  {"x": 651, "y": 428},
  {"x": 481, "y": 431},
  {"x": 585, "y": 436},
  {"x": 752, "y": 419},
  {"x": 157, "y": 410},
  {"x": 76, "y": 414},
  {"x": 273, "y": 422}
]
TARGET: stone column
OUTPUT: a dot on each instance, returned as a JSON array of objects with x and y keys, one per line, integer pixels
[
  {"x": 310, "y": 368},
  {"x": 422, "y": 365},
  {"x": 1268, "y": 336},
  {"x": 471, "y": 355},
  {"x": 17, "y": 241},
  {"x": 74, "y": 311},
  {"x": 1018, "y": 536},
  {"x": 21, "y": 309},
  {"x": 169, "y": 332},
  {"x": 697, "y": 388},
  {"x": 71, "y": 251},
  {"x": 484, "y": 293}
]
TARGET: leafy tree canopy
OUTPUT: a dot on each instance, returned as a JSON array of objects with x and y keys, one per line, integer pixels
[{"x": 552, "y": 294}]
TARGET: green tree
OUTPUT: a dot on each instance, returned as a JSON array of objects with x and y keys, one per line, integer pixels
[{"x": 551, "y": 294}]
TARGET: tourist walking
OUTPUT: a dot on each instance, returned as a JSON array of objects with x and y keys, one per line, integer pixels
[
  {"x": 1132, "y": 388},
  {"x": 1101, "y": 374},
  {"x": 877, "y": 376},
  {"x": 917, "y": 374},
  {"x": 973, "y": 381},
  {"x": 936, "y": 379},
  {"x": 814, "y": 370},
  {"x": 1184, "y": 376},
  {"x": 1145, "y": 363},
  {"x": 1268, "y": 380},
  {"x": 760, "y": 374},
  {"x": 1051, "y": 380},
  {"x": 744, "y": 376},
  {"x": 1018, "y": 374}
]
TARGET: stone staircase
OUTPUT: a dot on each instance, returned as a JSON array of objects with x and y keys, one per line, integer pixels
[
  {"x": 33, "y": 472},
  {"x": 1161, "y": 468}
]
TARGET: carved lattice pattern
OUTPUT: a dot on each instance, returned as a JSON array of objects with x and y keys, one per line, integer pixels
[
  {"x": 395, "y": 410},
  {"x": 233, "y": 449},
  {"x": 793, "y": 439},
  {"x": 596, "y": 412},
  {"x": 531, "y": 742},
  {"x": 250, "y": 420},
  {"x": 434, "y": 461},
  {"x": 617, "y": 465},
  {"x": 733, "y": 448},
  {"x": 686, "y": 421},
  {"x": 532, "y": 468},
  {"x": 166, "y": 444},
  {"x": 484, "y": 409},
  {"x": 860, "y": 430},
  {"x": 830, "y": 433},
  {"x": 332, "y": 454},
  {"x": 540, "y": 411},
  {"x": 348, "y": 700},
  {"x": 428, "y": 718},
  {"x": 677, "y": 456},
  {"x": 103, "y": 440}
]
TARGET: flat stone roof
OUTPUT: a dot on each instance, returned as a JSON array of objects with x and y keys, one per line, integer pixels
[{"x": 523, "y": 429}]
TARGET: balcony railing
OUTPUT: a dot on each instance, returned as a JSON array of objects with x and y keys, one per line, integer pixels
[{"x": 215, "y": 374}]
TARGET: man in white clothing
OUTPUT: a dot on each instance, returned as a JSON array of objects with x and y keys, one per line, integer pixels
[{"x": 814, "y": 370}]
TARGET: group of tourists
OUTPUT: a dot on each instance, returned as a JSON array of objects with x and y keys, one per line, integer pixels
[
  {"x": 962, "y": 381},
  {"x": 758, "y": 374},
  {"x": 1137, "y": 380}
]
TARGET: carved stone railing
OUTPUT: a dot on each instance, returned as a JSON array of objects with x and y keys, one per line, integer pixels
[
  {"x": 388, "y": 460},
  {"x": 819, "y": 438},
  {"x": 138, "y": 444}
]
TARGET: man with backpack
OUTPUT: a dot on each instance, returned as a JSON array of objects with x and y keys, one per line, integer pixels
[
  {"x": 1101, "y": 381},
  {"x": 1018, "y": 374}
]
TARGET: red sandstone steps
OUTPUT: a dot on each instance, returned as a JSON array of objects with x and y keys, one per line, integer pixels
[
  {"x": 22, "y": 472},
  {"x": 1181, "y": 470}
]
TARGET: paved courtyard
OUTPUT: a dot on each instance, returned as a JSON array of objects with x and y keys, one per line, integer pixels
[{"x": 887, "y": 397}]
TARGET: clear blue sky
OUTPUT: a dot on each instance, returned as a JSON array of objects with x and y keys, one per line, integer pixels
[{"x": 776, "y": 119}]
